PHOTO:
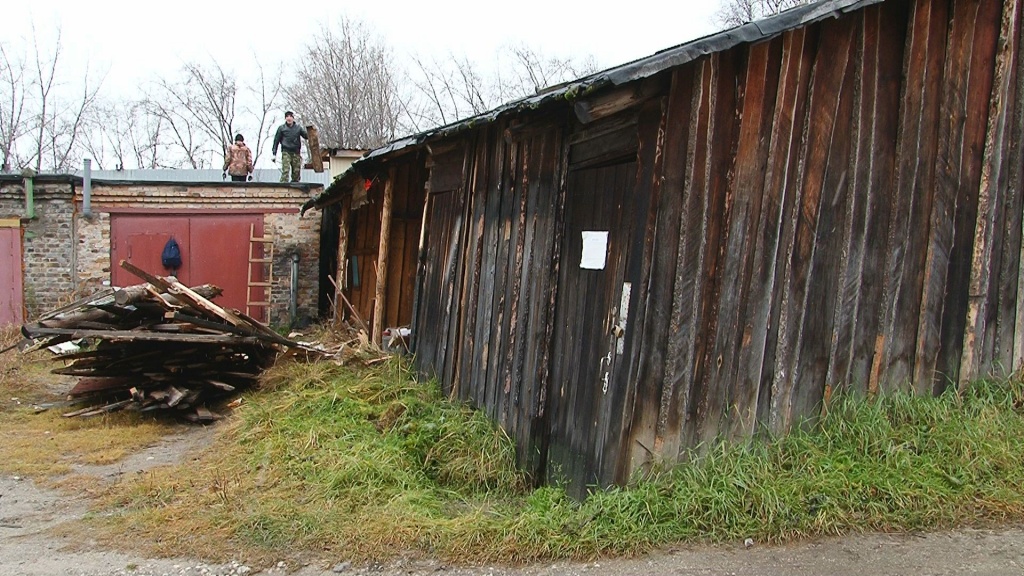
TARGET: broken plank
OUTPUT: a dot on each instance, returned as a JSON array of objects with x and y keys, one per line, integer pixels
[
  {"x": 122, "y": 335},
  {"x": 134, "y": 294},
  {"x": 94, "y": 411}
]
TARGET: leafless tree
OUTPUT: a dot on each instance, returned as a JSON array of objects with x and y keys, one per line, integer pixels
[
  {"x": 345, "y": 86},
  {"x": 12, "y": 104},
  {"x": 737, "y": 12},
  {"x": 198, "y": 107},
  {"x": 125, "y": 135},
  {"x": 447, "y": 90},
  {"x": 59, "y": 122},
  {"x": 525, "y": 71},
  {"x": 202, "y": 109},
  {"x": 264, "y": 96},
  {"x": 43, "y": 115}
]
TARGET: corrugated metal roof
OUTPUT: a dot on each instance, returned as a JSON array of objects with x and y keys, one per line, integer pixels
[
  {"x": 262, "y": 175},
  {"x": 205, "y": 175}
]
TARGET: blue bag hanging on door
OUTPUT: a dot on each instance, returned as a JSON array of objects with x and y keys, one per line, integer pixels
[{"x": 171, "y": 256}]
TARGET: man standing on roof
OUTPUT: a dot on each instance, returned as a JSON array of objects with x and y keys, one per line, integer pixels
[
  {"x": 238, "y": 160},
  {"x": 288, "y": 138}
]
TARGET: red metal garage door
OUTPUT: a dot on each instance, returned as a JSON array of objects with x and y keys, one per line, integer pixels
[
  {"x": 214, "y": 249},
  {"x": 11, "y": 296}
]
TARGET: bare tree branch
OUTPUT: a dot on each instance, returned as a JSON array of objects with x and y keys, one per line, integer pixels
[
  {"x": 199, "y": 109},
  {"x": 12, "y": 105},
  {"x": 738, "y": 12},
  {"x": 345, "y": 85},
  {"x": 445, "y": 91}
]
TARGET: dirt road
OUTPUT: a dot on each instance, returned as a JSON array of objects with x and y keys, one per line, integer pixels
[{"x": 28, "y": 547}]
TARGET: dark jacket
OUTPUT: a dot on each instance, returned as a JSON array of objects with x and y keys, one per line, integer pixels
[{"x": 288, "y": 138}]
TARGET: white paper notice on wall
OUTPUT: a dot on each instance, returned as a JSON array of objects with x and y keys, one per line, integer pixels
[{"x": 595, "y": 249}]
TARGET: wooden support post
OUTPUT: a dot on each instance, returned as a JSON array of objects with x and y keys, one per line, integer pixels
[
  {"x": 341, "y": 280},
  {"x": 382, "y": 260}
]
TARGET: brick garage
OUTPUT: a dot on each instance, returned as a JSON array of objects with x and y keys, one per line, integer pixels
[{"x": 67, "y": 253}]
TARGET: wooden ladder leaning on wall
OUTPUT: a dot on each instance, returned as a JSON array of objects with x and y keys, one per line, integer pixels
[{"x": 261, "y": 252}]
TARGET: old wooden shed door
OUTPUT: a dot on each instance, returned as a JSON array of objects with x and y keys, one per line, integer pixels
[
  {"x": 11, "y": 297},
  {"x": 591, "y": 319}
]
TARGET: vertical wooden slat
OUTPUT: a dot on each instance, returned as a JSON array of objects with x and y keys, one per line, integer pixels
[
  {"x": 500, "y": 218},
  {"x": 906, "y": 244},
  {"x": 341, "y": 276},
  {"x": 382, "y": 258},
  {"x": 537, "y": 284},
  {"x": 872, "y": 173},
  {"x": 814, "y": 261},
  {"x": 982, "y": 40},
  {"x": 537, "y": 181},
  {"x": 517, "y": 251},
  {"x": 666, "y": 249},
  {"x": 735, "y": 326},
  {"x": 420, "y": 291},
  {"x": 631, "y": 407},
  {"x": 793, "y": 260},
  {"x": 393, "y": 289},
  {"x": 989, "y": 196},
  {"x": 1011, "y": 291},
  {"x": 459, "y": 277},
  {"x": 690, "y": 271},
  {"x": 782, "y": 191},
  {"x": 549, "y": 388},
  {"x": 473, "y": 330},
  {"x": 950, "y": 174},
  {"x": 713, "y": 403}
]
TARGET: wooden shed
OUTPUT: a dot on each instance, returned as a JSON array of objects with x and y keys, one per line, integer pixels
[{"x": 708, "y": 242}]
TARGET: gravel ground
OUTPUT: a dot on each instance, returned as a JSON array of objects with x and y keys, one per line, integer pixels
[{"x": 28, "y": 546}]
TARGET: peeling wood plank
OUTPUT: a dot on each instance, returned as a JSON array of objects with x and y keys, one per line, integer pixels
[
  {"x": 130, "y": 335},
  {"x": 779, "y": 410},
  {"x": 989, "y": 195},
  {"x": 950, "y": 175},
  {"x": 677, "y": 139},
  {"x": 631, "y": 409}
]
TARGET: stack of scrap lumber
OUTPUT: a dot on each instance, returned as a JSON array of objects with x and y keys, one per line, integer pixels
[{"x": 159, "y": 346}]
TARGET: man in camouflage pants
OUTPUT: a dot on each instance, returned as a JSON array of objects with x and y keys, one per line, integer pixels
[{"x": 288, "y": 138}]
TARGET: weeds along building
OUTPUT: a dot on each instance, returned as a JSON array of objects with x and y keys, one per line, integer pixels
[
  {"x": 709, "y": 242},
  {"x": 63, "y": 235}
]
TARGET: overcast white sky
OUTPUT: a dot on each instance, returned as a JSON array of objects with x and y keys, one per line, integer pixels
[{"x": 135, "y": 41}]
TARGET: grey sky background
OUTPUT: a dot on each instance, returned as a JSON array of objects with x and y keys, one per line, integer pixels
[{"x": 131, "y": 42}]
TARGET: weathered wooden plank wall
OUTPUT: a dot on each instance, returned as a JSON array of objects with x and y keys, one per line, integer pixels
[
  {"x": 488, "y": 284},
  {"x": 835, "y": 208},
  {"x": 830, "y": 182}
]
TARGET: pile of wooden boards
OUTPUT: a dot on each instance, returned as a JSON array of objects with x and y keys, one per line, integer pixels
[{"x": 159, "y": 346}]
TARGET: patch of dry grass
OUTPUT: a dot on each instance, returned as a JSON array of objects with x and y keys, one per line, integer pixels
[{"x": 44, "y": 444}]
